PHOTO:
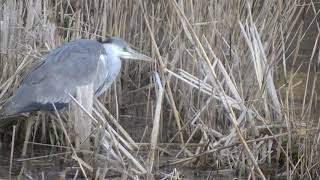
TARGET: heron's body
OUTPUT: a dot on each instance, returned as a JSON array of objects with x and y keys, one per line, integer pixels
[{"x": 77, "y": 63}]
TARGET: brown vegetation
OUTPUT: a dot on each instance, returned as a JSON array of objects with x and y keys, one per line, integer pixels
[{"x": 237, "y": 87}]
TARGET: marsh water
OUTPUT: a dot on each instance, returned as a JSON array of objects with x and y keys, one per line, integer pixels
[
  {"x": 49, "y": 167},
  {"x": 44, "y": 164}
]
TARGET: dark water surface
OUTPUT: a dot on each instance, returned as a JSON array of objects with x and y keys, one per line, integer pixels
[
  {"x": 39, "y": 168},
  {"x": 48, "y": 166}
]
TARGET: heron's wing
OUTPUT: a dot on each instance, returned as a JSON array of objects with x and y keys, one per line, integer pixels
[
  {"x": 67, "y": 67},
  {"x": 75, "y": 61}
]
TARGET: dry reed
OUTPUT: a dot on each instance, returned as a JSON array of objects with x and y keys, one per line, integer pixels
[{"x": 239, "y": 81}]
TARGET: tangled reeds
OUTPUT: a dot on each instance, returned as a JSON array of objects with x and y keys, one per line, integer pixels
[{"x": 236, "y": 86}]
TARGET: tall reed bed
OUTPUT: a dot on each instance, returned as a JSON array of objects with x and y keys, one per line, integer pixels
[{"x": 237, "y": 88}]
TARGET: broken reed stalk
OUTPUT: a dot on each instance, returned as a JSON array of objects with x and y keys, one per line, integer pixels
[
  {"x": 156, "y": 124},
  {"x": 12, "y": 150},
  {"x": 82, "y": 124},
  {"x": 109, "y": 135},
  {"x": 162, "y": 69},
  {"x": 30, "y": 122},
  {"x": 115, "y": 123}
]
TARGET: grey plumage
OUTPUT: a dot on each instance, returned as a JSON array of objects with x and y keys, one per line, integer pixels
[{"x": 74, "y": 64}]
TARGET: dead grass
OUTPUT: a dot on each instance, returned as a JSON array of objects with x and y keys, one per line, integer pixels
[{"x": 237, "y": 88}]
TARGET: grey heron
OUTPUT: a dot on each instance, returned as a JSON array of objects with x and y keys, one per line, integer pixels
[{"x": 73, "y": 64}]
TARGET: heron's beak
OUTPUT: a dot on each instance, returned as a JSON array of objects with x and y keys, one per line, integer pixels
[{"x": 135, "y": 55}]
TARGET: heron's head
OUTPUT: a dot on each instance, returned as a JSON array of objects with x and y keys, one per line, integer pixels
[{"x": 118, "y": 47}]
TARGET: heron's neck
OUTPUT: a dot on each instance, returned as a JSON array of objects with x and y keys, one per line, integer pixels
[
  {"x": 112, "y": 50},
  {"x": 113, "y": 59}
]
